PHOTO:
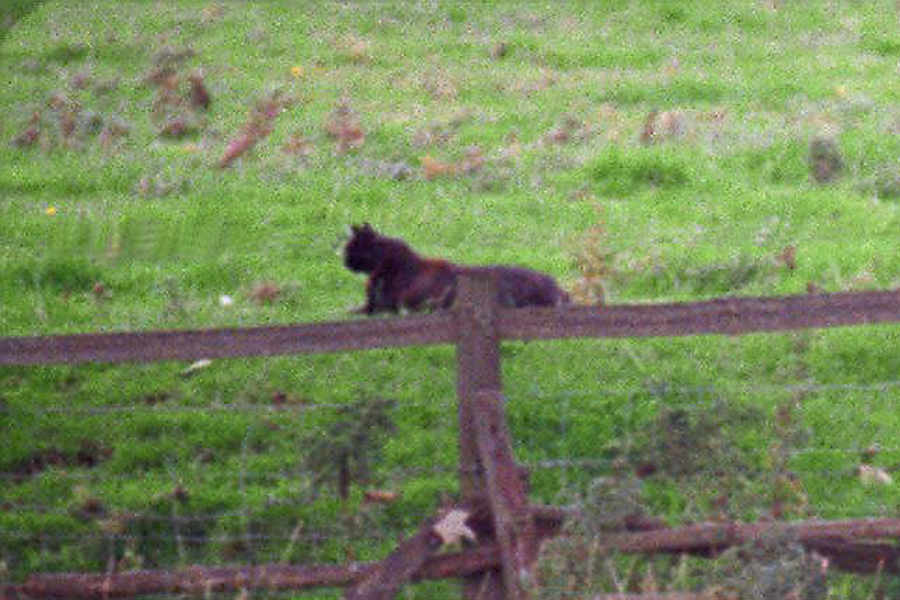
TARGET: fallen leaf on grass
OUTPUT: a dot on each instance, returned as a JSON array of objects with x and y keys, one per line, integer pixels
[
  {"x": 432, "y": 168},
  {"x": 870, "y": 475},
  {"x": 379, "y": 496},
  {"x": 259, "y": 125},
  {"x": 265, "y": 292},
  {"x": 196, "y": 366},
  {"x": 452, "y": 528}
]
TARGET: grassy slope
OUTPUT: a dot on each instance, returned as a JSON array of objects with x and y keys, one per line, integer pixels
[{"x": 701, "y": 214}]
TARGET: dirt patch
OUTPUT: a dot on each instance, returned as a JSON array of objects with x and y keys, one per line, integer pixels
[{"x": 89, "y": 454}]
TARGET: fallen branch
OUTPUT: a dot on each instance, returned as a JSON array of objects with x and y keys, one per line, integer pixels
[
  {"x": 715, "y": 536},
  {"x": 200, "y": 581},
  {"x": 830, "y": 538}
]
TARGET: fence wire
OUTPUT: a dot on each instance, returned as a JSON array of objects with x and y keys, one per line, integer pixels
[{"x": 231, "y": 481}]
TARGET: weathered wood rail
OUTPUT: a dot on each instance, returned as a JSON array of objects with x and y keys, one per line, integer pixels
[
  {"x": 729, "y": 316},
  {"x": 493, "y": 487}
]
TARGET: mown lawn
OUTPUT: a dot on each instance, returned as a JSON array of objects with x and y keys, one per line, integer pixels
[{"x": 638, "y": 151}]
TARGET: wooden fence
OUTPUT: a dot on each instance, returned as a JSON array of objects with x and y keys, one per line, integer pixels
[{"x": 493, "y": 487}]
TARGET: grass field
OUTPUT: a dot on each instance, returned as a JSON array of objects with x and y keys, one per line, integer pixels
[{"x": 638, "y": 151}]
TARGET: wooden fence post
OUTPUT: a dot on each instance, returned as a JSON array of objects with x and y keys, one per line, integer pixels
[
  {"x": 514, "y": 526},
  {"x": 477, "y": 369},
  {"x": 487, "y": 468}
]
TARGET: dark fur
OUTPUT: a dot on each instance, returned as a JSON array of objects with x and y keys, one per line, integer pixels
[{"x": 400, "y": 278}]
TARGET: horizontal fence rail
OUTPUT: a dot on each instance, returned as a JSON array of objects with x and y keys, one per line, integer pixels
[
  {"x": 493, "y": 485},
  {"x": 729, "y": 316},
  {"x": 223, "y": 343}
]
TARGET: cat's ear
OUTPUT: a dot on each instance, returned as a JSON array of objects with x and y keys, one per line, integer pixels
[{"x": 367, "y": 228}]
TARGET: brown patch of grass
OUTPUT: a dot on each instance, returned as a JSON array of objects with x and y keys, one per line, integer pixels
[
  {"x": 259, "y": 125},
  {"x": 211, "y": 13},
  {"x": 432, "y": 168},
  {"x": 661, "y": 126},
  {"x": 89, "y": 454},
  {"x": 169, "y": 56},
  {"x": 546, "y": 79},
  {"x": 200, "y": 97},
  {"x": 440, "y": 132},
  {"x": 28, "y": 136},
  {"x": 265, "y": 292},
  {"x": 569, "y": 129},
  {"x": 499, "y": 50},
  {"x": 155, "y": 398},
  {"x": 354, "y": 48},
  {"x": 788, "y": 257},
  {"x": 177, "y": 127},
  {"x": 298, "y": 145},
  {"x": 472, "y": 161},
  {"x": 81, "y": 79},
  {"x": 343, "y": 124},
  {"x": 440, "y": 86},
  {"x": 113, "y": 130},
  {"x": 825, "y": 162},
  {"x": 88, "y": 507}
]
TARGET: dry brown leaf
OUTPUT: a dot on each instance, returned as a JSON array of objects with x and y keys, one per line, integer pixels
[
  {"x": 265, "y": 292},
  {"x": 380, "y": 496},
  {"x": 258, "y": 126},
  {"x": 432, "y": 168}
]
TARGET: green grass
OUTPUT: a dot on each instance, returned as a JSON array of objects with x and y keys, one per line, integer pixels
[{"x": 741, "y": 89}]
